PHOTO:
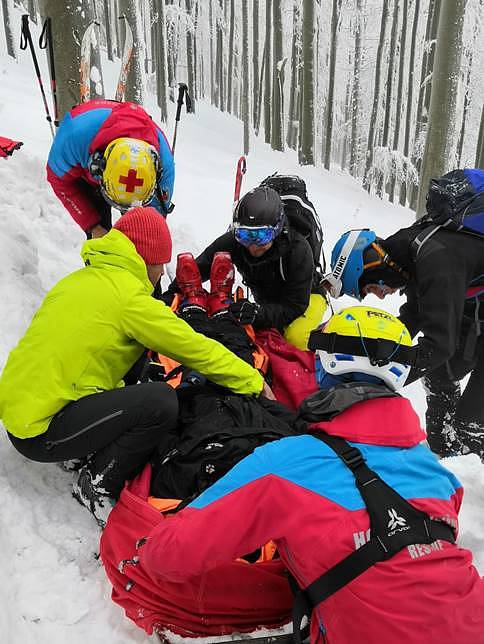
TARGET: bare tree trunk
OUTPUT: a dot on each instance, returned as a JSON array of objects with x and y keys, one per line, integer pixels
[
  {"x": 437, "y": 154},
  {"x": 135, "y": 87},
  {"x": 161, "y": 57},
  {"x": 212, "y": 35},
  {"x": 231, "y": 56},
  {"x": 68, "y": 28},
  {"x": 220, "y": 59},
  {"x": 107, "y": 30},
  {"x": 331, "y": 73},
  {"x": 408, "y": 115},
  {"x": 355, "y": 94},
  {"x": 424, "y": 92},
  {"x": 32, "y": 9},
  {"x": 468, "y": 91},
  {"x": 388, "y": 93},
  {"x": 293, "y": 116},
  {"x": 245, "y": 73},
  {"x": 306, "y": 139},
  {"x": 190, "y": 48},
  {"x": 267, "y": 79},
  {"x": 376, "y": 97},
  {"x": 398, "y": 102},
  {"x": 255, "y": 59},
  {"x": 479, "y": 162},
  {"x": 7, "y": 8},
  {"x": 277, "y": 78}
]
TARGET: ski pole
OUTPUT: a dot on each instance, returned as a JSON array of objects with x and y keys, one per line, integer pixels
[
  {"x": 26, "y": 40},
  {"x": 241, "y": 170},
  {"x": 45, "y": 42},
  {"x": 182, "y": 91}
]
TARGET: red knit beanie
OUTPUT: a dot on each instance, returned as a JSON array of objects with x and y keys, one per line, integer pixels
[{"x": 148, "y": 231}]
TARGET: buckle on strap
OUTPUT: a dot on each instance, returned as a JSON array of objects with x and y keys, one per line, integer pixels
[{"x": 353, "y": 457}]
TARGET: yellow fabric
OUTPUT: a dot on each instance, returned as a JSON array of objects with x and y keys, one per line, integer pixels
[
  {"x": 368, "y": 322},
  {"x": 297, "y": 333},
  {"x": 91, "y": 328}
]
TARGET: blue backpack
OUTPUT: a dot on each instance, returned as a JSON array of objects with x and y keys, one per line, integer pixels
[{"x": 455, "y": 202}]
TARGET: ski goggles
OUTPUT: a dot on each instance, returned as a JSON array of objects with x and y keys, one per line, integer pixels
[{"x": 255, "y": 236}]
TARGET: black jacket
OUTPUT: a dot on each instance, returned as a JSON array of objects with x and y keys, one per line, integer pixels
[
  {"x": 281, "y": 280},
  {"x": 447, "y": 264}
]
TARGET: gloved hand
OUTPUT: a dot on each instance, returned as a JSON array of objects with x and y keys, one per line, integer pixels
[{"x": 244, "y": 312}]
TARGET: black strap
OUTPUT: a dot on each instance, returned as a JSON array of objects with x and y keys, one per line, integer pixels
[
  {"x": 411, "y": 528},
  {"x": 379, "y": 351}
]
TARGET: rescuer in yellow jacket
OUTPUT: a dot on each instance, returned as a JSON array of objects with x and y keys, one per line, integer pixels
[{"x": 62, "y": 394}]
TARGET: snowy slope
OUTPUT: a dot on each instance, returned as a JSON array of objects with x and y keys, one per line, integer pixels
[{"x": 53, "y": 588}]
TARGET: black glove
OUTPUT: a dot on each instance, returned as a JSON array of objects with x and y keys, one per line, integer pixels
[{"x": 244, "y": 312}]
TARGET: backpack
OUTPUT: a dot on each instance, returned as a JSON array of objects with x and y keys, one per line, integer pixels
[
  {"x": 217, "y": 429},
  {"x": 455, "y": 202},
  {"x": 300, "y": 213}
]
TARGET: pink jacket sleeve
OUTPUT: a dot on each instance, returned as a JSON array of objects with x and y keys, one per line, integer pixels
[{"x": 74, "y": 193}]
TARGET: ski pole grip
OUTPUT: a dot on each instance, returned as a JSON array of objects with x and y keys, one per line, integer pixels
[{"x": 182, "y": 90}]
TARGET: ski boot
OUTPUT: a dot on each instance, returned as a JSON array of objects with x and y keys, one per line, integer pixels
[
  {"x": 92, "y": 496},
  {"x": 189, "y": 282},
  {"x": 222, "y": 276}
]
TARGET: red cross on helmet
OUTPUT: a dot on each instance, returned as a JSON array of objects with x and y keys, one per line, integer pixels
[{"x": 130, "y": 174}]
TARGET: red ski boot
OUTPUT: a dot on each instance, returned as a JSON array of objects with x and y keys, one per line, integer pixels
[
  {"x": 222, "y": 275},
  {"x": 189, "y": 282}
]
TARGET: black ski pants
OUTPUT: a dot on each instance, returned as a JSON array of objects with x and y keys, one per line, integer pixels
[
  {"x": 447, "y": 403},
  {"x": 119, "y": 428}
]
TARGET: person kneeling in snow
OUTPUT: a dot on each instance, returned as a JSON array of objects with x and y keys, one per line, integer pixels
[
  {"x": 61, "y": 392},
  {"x": 322, "y": 501}
]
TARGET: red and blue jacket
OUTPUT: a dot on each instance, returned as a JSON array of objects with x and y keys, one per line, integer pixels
[
  {"x": 92, "y": 126},
  {"x": 298, "y": 492}
]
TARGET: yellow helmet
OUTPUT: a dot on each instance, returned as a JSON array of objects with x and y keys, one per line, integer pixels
[
  {"x": 130, "y": 173},
  {"x": 362, "y": 339}
]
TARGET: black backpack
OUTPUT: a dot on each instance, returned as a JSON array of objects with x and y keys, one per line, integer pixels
[
  {"x": 217, "y": 429},
  {"x": 455, "y": 202},
  {"x": 300, "y": 212}
]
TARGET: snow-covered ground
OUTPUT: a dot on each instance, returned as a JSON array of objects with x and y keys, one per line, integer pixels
[{"x": 53, "y": 587}]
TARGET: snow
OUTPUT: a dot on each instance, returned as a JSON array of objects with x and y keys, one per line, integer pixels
[{"x": 53, "y": 587}]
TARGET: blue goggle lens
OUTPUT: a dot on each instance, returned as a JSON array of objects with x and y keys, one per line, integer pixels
[{"x": 255, "y": 236}]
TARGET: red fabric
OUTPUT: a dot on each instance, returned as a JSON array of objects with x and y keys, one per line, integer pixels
[
  {"x": 237, "y": 597},
  {"x": 293, "y": 371},
  {"x": 422, "y": 595},
  {"x": 7, "y": 146},
  {"x": 383, "y": 421},
  {"x": 148, "y": 231},
  {"x": 126, "y": 119}
]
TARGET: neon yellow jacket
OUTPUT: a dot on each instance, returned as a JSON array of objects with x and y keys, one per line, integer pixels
[{"x": 91, "y": 328}]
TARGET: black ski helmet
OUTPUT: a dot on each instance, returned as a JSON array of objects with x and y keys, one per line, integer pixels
[{"x": 262, "y": 206}]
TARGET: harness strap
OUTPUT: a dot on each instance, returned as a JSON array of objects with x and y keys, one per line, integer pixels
[{"x": 414, "y": 527}]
